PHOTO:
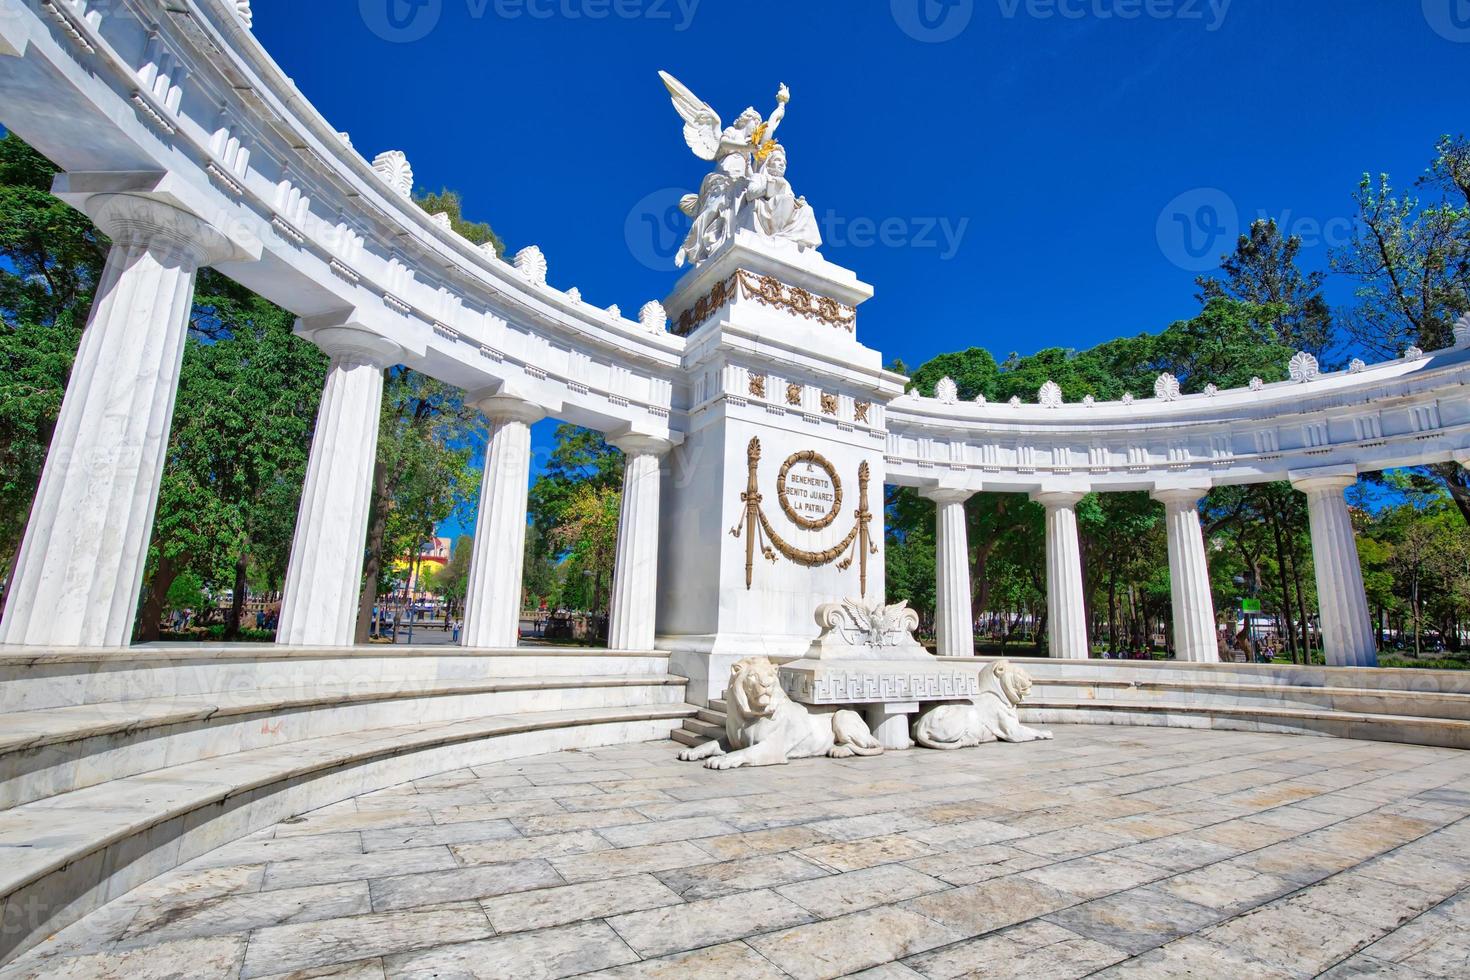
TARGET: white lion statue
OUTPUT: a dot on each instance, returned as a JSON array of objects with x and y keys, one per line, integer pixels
[
  {"x": 764, "y": 727},
  {"x": 991, "y": 716}
]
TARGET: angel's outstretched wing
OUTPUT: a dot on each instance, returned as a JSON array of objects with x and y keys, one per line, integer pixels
[{"x": 702, "y": 126}]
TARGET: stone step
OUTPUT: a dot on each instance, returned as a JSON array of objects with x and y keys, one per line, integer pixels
[
  {"x": 703, "y": 729},
  {"x": 1371, "y": 679},
  {"x": 1199, "y": 692},
  {"x": 51, "y": 679},
  {"x": 713, "y": 717},
  {"x": 56, "y": 750},
  {"x": 1443, "y": 732},
  {"x": 71, "y": 853},
  {"x": 685, "y": 737}
]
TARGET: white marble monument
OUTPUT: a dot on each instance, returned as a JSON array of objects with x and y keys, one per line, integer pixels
[{"x": 773, "y": 505}]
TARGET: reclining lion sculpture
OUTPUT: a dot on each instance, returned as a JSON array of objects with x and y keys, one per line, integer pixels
[
  {"x": 764, "y": 727},
  {"x": 990, "y": 717}
]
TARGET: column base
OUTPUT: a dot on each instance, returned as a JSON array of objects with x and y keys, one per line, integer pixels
[{"x": 890, "y": 724}]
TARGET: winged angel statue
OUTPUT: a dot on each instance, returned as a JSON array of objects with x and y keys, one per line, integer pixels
[{"x": 747, "y": 187}]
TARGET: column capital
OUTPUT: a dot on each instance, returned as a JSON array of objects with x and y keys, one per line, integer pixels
[
  {"x": 500, "y": 409},
  {"x": 1324, "y": 479},
  {"x": 947, "y": 495},
  {"x": 1056, "y": 499},
  {"x": 131, "y": 220},
  {"x": 1179, "y": 495},
  {"x": 160, "y": 211},
  {"x": 637, "y": 444},
  {"x": 344, "y": 336}
]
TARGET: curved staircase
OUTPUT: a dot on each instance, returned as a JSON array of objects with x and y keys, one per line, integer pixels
[
  {"x": 118, "y": 766},
  {"x": 1420, "y": 707}
]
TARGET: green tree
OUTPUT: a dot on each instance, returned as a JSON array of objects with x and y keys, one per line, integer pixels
[
  {"x": 422, "y": 477},
  {"x": 1263, "y": 272},
  {"x": 449, "y": 202},
  {"x": 50, "y": 261},
  {"x": 588, "y": 535},
  {"x": 248, "y": 397}
]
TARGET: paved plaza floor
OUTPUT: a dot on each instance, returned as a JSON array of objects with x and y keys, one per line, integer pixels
[{"x": 1107, "y": 852}]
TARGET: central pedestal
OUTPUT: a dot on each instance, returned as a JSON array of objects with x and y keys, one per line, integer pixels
[
  {"x": 773, "y": 505},
  {"x": 890, "y": 692}
]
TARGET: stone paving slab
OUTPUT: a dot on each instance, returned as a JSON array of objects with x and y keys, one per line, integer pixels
[{"x": 1109, "y": 852}]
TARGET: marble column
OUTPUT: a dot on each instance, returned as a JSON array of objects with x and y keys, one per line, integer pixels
[
  {"x": 1347, "y": 627},
  {"x": 80, "y": 568},
  {"x": 319, "y": 605},
  {"x": 1195, "y": 637},
  {"x": 954, "y": 623},
  {"x": 635, "y": 580},
  {"x": 492, "y": 616},
  {"x": 1066, "y": 612}
]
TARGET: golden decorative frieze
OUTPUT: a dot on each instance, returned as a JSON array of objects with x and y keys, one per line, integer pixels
[
  {"x": 768, "y": 291},
  {"x": 829, "y": 403},
  {"x": 860, "y": 411},
  {"x": 793, "y": 394},
  {"x": 758, "y": 385}
]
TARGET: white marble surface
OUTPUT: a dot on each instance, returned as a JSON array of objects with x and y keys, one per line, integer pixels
[
  {"x": 1195, "y": 638},
  {"x": 1066, "y": 612},
  {"x": 954, "y": 623},
  {"x": 1348, "y": 638},
  {"x": 635, "y": 581},
  {"x": 319, "y": 604},
  {"x": 1111, "y": 851},
  {"x": 80, "y": 567},
  {"x": 492, "y": 615}
]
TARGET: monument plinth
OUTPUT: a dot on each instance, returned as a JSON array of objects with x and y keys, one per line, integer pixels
[{"x": 773, "y": 506}]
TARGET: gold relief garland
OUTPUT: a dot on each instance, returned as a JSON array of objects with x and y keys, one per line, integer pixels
[
  {"x": 769, "y": 291},
  {"x": 754, "y": 524}
]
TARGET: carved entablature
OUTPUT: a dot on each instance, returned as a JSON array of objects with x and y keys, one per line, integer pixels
[{"x": 770, "y": 292}]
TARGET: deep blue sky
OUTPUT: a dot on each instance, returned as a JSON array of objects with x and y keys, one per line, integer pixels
[{"x": 1054, "y": 143}]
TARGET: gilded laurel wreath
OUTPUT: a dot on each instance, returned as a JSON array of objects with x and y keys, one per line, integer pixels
[
  {"x": 816, "y": 459},
  {"x": 857, "y": 544}
]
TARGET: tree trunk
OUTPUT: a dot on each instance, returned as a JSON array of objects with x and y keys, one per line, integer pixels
[
  {"x": 237, "y": 603},
  {"x": 373, "y": 563},
  {"x": 1301, "y": 606},
  {"x": 1282, "y": 574},
  {"x": 1113, "y": 610},
  {"x": 156, "y": 597}
]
